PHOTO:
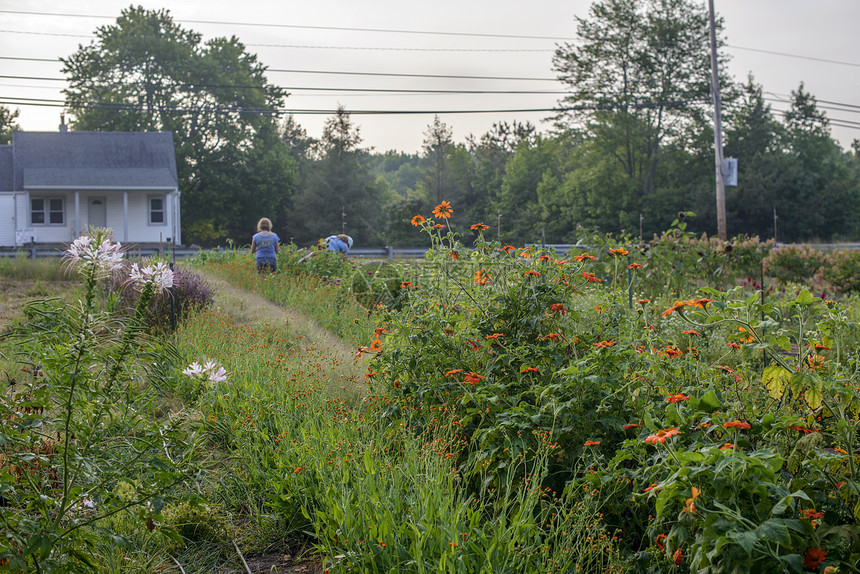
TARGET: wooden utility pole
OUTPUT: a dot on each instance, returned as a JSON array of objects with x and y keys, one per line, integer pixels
[{"x": 718, "y": 128}]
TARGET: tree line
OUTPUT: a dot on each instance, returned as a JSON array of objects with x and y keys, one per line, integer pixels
[{"x": 630, "y": 146}]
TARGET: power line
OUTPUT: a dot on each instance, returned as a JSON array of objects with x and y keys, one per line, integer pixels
[
  {"x": 342, "y": 73},
  {"x": 799, "y": 56},
  {"x": 305, "y": 27}
]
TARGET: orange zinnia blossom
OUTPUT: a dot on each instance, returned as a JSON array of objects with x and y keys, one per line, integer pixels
[
  {"x": 558, "y": 308},
  {"x": 634, "y": 266},
  {"x": 584, "y": 256},
  {"x": 690, "y": 507},
  {"x": 677, "y": 398},
  {"x": 553, "y": 336},
  {"x": 673, "y": 352},
  {"x": 678, "y": 556},
  {"x": 696, "y": 333},
  {"x": 376, "y": 345},
  {"x": 676, "y": 307},
  {"x": 591, "y": 277},
  {"x": 592, "y": 442},
  {"x": 532, "y": 273},
  {"x": 811, "y": 514},
  {"x": 661, "y": 435},
  {"x": 727, "y": 446},
  {"x": 545, "y": 258},
  {"x": 406, "y": 284},
  {"x": 473, "y": 378},
  {"x": 473, "y": 344},
  {"x": 618, "y": 251},
  {"x": 479, "y": 227},
  {"x": 803, "y": 429},
  {"x": 526, "y": 254},
  {"x": 417, "y": 220},
  {"x": 507, "y": 248},
  {"x": 453, "y": 372},
  {"x": 443, "y": 210},
  {"x": 702, "y": 303},
  {"x": 482, "y": 277},
  {"x": 813, "y": 558},
  {"x": 529, "y": 370},
  {"x": 494, "y": 336},
  {"x": 659, "y": 542},
  {"x": 454, "y": 255},
  {"x": 604, "y": 344},
  {"x": 736, "y": 425},
  {"x": 632, "y": 426}
]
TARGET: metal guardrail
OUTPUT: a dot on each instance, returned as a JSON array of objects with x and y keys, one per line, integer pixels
[{"x": 358, "y": 252}]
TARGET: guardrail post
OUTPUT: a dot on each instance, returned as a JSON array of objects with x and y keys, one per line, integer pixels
[
  {"x": 32, "y": 249},
  {"x": 390, "y": 252}
]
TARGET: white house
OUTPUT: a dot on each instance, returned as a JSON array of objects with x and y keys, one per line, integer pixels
[{"x": 53, "y": 185}]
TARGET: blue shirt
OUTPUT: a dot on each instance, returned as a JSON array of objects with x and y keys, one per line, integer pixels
[
  {"x": 265, "y": 242},
  {"x": 333, "y": 243}
]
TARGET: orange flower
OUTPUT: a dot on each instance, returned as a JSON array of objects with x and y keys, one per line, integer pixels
[
  {"x": 376, "y": 345},
  {"x": 643, "y": 301},
  {"x": 659, "y": 542},
  {"x": 748, "y": 339},
  {"x": 473, "y": 378},
  {"x": 633, "y": 426},
  {"x": 479, "y": 227},
  {"x": 672, "y": 352},
  {"x": 532, "y": 273},
  {"x": 553, "y": 336},
  {"x": 701, "y": 303},
  {"x": 526, "y": 254},
  {"x": 649, "y": 489},
  {"x": 591, "y": 277},
  {"x": 736, "y": 424},
  {"x": 545, "y": 258},
  {"x": 507, "y": 248},
  {"x": 727, "y": 446},
  {"x": 592, "y": 442},
  {"x": 677, "y": 398},
  {"x": 443, "y": 210},
  {"x": 494, "y": 336},
  {"x": 584, "y": 256},
  {"x": 558, "y": 308},
  {"x": 690, "y": 507},
  {"x": 530, "y": 370},
  {"x": 473, "y": 344},
  {"x": 634, "y": 266},
  {"x": 813, "y": 558},
  {"x": 815, "y": 362},
  {"x": 696, "y": 333},
  {"x": 661, "y": 435},
  {"x": 604, "y": 344},
  {"x": 454, "y": 255},
  {"x": 802, "y": 429},
  {"x": 453, "y": 372},
  {"x": 811, "y": 514},
  {"x": 406, "y": 284},
  {"x": 362, "y": 351},
  {"x": 676, "y": 307},
  {"x": 618, "y": 251},
  {"x": 418, "y": 220},
  {"x": 678, "y": 556},
  {"x": 482, "y": 277}
]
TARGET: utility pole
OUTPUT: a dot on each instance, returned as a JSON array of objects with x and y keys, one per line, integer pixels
[
  {"x": 343, "y": 220},
  {"x": 718, "y": 128},
  {"x": 499, "y": 228}
]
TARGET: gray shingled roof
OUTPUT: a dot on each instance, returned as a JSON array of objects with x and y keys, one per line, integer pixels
[
  {"x": 113, "y": 159},
  {"x": 5, "y": 168}
]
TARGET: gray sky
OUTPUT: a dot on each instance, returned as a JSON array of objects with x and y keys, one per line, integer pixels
[{"x": 816, "y": 31}]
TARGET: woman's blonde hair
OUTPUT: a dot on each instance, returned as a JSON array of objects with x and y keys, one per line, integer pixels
[{"x": 264, "y": 224}]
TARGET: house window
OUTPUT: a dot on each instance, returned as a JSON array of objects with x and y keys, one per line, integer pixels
[
  {"x": 47, "y": 211},
  {"x": 156, "y": 210}
]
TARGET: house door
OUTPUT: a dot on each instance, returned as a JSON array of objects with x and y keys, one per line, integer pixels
[{"x": 97, "y": 213}]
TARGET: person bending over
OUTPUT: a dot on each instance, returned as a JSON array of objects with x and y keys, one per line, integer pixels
[{"x": 340, "y": 243}]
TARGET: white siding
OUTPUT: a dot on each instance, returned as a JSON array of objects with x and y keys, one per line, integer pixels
[
  {"x": 50, "y": 233},
  {"x": 7, "y": 220}
]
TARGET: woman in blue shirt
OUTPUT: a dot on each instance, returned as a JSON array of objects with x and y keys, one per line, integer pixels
[{"x": 265, "y": 245}]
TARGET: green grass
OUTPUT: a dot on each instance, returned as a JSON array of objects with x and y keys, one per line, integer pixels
[{"x": 20, "y": 268}]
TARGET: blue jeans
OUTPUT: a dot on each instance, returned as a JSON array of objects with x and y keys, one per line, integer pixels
[{"x": 266, "y": 264}]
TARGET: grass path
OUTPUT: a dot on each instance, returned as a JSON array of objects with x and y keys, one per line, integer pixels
[{"x": 246, "y": 308}]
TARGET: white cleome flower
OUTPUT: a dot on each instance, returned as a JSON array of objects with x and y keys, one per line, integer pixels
[
  {"x": 209, "y": 371},
  {"x": 159, "y": 275},
  {"x": 105, "y": 255},
  {"x": 193, "y": 370}
]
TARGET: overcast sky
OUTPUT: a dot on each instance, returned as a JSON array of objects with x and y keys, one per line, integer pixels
[{"x": 812, "y": 42}]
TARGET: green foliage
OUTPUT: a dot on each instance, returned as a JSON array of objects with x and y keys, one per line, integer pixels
[
  {"x": 80, "y": 439},
  {"x": 21, "y": 268},
  {"x": 841, "y": 270},
  {"x": 8, "y": 124}
]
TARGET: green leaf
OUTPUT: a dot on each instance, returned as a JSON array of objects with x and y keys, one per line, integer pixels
[
  {"x": 805, "y": 298},
  {"x": 747, "y": 540},
  {"x": 775, "y": 379},
  {"x": 709, "y": 402},
  {"x": 774, "y": 530},
  {"x": 784, "y": 343},
  {"x": 814, "y": 396}
]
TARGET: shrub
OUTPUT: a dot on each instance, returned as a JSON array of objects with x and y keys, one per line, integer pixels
[
  {"x": 795, "y": 263},
  {"x": 190, "y": 292},
  {"x": 841, "y": 271}
]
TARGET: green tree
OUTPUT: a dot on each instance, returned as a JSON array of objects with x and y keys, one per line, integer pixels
[
  {"x": 8, "y": 124},
  {"x": 339, "y": 188},
  {"x": 436, "y": 176},
  {"x": 640, "y": 81},
  {"x": 147, "y": 73}
]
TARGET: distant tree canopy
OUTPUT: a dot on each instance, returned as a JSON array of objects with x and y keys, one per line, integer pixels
[
  {"x": 147, "y": 73},
  {"x": 630, "y": 147},
  {"x": 8, "y": 124}
]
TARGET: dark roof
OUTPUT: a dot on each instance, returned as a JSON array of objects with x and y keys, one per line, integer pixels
[
  {"x": 102, "y": 159},
  {"x": 5, "y": 168}
]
